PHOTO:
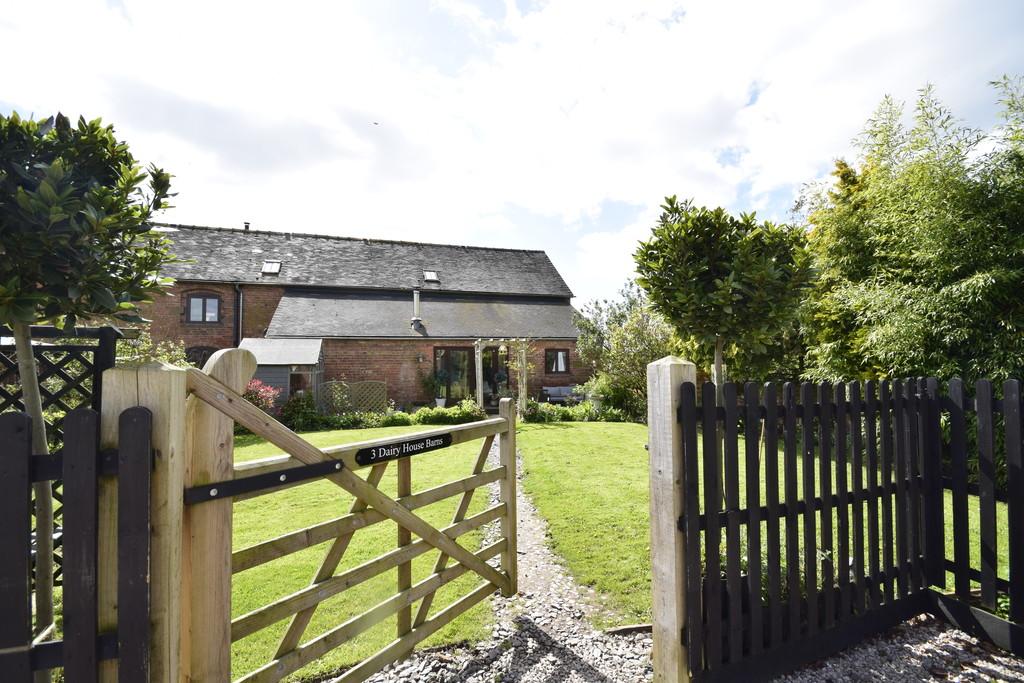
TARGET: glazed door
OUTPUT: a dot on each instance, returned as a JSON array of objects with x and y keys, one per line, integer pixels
[
  {"x": 456, "y": 371},
  {"x": 495, "y": 376}
]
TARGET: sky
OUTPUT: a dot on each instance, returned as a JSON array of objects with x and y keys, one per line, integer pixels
[{"x": 539, "y": 125}]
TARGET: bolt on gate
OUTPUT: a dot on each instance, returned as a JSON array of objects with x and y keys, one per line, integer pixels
[
  {"x": 187, "y": 561},
  {"x": 830, "y": 525}
]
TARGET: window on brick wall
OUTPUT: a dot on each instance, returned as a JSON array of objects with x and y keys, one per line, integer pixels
[
  {"x": 202, "y": 308},
  {"x": 556, "y": 361}
]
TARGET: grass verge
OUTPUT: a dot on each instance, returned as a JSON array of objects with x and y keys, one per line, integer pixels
[
  {"x": 263, "y": 518},
  {"x": 590, "y": 482}
]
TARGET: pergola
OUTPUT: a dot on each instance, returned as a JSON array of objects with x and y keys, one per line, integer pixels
[{"x": 478, "y": 349}]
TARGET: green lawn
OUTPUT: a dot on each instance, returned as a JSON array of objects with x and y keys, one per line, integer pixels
[
  {"x": 590, "y": 481},
  {"x": 260, "y": 519}
]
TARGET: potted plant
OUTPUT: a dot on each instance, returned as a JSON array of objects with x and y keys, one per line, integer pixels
[
  {"x": 429, "y": 383},
  {"x": 434, "y": 384},
  {"x": 441, "y": 382},
  {"x": 596, "y": 389}
]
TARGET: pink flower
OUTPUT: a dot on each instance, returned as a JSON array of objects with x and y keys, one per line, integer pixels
[{"x": 261, "y": 395}]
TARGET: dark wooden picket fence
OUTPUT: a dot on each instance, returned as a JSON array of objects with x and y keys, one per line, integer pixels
[
  {"x": 106, "y": 549},
  {"x": 826, "y": 522},
  {"x": 71, "y": 363}
]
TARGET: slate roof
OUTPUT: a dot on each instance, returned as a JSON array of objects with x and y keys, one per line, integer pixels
[
  {"x": 283, "y": 351},
  {"x": 378, "y": 315},
  {"x": 229, "y": 255}
]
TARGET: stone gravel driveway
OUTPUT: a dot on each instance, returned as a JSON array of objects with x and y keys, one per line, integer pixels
[{"x": 544, "y": 635}]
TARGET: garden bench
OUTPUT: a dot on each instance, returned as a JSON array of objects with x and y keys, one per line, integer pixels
[{"x": 558, "y": 394}]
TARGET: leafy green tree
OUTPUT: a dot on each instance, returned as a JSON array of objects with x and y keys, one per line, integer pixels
[
  {"x": 597, "y": 320},
  {"x": 75, "y": 243},
  {"x": 920, "y": 248},
  {"x": 730, "y": 286},
  {"x": 783, "y": 360},
  {"x": 140, "y": 349},
  {"x": 642, "y": 338},
  {"x": 618, "y": 338}
]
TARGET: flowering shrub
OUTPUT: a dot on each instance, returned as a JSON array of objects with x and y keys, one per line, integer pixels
[
  {"x": 466, "y": 411},
  {"x": 368, "y": 419},
  {"x": 585, "y": 411},
  {"x": 141, "y": 349},
  {"x": 261, "y": 395},
  {"x": 300, "y": 413}
]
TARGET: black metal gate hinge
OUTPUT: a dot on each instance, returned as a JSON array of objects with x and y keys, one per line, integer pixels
[{"x": 259, "y": 482}]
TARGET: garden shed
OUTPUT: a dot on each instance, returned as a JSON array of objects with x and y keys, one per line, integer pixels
[{"x": 289, "y": 365}]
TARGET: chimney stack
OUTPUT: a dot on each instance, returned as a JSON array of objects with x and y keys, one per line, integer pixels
[
  {"x": 416, "y": 320},
  {"x": 246, "y": 225}
]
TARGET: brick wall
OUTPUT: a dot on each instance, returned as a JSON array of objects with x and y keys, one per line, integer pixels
[
  {"x": 578, "y": 373},
  {"x": 168, "y": 316},
  {"x": 258, "y": 305},
  {"x": 169, "y": 321},
  {"x": 401, "y": 363}
]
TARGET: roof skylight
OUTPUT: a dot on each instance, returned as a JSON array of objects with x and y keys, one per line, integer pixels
[
  {"x": 430, "y": 276},
  {"x": 271, "y": 268}
]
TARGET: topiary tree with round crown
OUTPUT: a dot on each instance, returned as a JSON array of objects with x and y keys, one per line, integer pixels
[{"x": 725, "y": 283}]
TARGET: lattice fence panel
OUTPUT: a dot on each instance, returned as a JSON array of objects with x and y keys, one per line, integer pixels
[
  {"x": 70, "y": 369},
  {"x": 334, "y": 398},
  {"x": 369, "y": 396},
  {"x": 341, "y": 397}
]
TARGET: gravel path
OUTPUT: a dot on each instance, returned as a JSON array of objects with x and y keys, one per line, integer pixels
[
  {"x": 922, "y": 649},
  {"x": 541, "y": 635},
  {"x": 544, "y": 635}
]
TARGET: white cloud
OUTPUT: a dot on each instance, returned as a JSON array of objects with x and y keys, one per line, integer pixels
[{"x": 452, "y": 120}]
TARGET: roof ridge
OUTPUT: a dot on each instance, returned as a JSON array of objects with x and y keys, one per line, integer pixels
[{"x": 180, "y": 226}]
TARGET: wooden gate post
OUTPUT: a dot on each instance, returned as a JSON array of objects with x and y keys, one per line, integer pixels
[
  {"x": 668, "y": 559},
  {"x": 207, "y": 570},
  {"x": 509, "y": 521},
  {"x": 161, "y": 388}
]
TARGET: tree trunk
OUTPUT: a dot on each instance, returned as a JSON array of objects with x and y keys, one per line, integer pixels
[
  {"x": 718, "y": 372},
  {"x": 718, "y": 378},
  {"x": 33, "y": 402}
]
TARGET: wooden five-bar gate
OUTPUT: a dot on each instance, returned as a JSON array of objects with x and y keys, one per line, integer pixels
[
  {"x": 795, "y": 520},
  {"x": 150, "y": 484}
]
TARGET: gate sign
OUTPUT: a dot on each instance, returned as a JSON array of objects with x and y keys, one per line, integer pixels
[{"x": 402, "y": 449}]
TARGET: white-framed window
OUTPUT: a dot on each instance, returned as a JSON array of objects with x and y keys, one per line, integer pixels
[
  {"x": 430, "y": 276},
  {"x": 556, "y": 361},
  {"x": 271, "y": 268}
]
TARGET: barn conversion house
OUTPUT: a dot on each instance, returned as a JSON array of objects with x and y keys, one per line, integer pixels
[{"x": 319, "y": 308}]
